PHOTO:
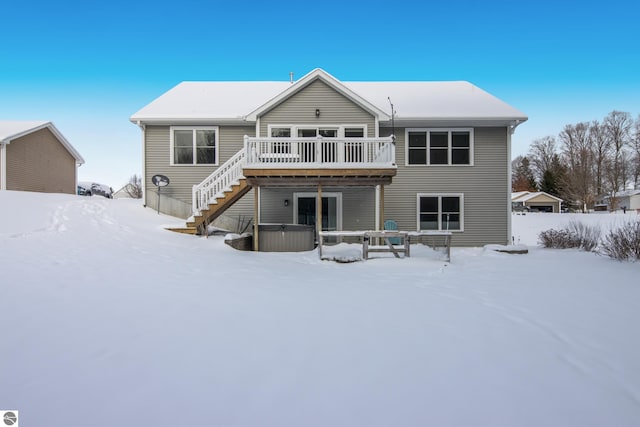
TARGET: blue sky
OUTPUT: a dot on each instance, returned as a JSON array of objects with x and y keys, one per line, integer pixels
[{"x": 89, "y": 66}]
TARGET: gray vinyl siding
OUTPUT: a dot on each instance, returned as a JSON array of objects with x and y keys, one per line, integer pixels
[
  {"x": 335, "y": 109},
  {"x": 358, "y": 205},
  {"x": 183, "y": 178},
  {"x": 39, "y": 162},
  {"x": 484, "y": 186}
]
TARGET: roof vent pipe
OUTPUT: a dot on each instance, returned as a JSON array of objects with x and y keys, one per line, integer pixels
[{"x": 291, "y": 77}]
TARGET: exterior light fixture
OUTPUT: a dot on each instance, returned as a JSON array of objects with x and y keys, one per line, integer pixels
[
  {"x": 317, "y": 112},
  {"x": 286, "y": 202}
]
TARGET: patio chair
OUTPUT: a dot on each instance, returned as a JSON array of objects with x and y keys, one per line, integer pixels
[{"x": 391, "y": 225}]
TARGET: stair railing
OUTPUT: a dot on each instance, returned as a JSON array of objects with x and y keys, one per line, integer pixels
[{"x": 221, "y": 180}]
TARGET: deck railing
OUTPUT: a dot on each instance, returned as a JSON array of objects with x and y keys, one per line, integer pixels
[
  {"x": 265, "y": 153},
  {"x": 319, "y": 152}
]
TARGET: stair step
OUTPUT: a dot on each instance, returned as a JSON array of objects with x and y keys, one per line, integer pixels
[{"x": 184, "y": 230}]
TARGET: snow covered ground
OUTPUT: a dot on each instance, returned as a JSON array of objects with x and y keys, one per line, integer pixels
[{"x": 109, "y": 320}]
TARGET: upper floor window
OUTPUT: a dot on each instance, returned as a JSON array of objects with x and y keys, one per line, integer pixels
[
  {"x": 313, "y": 131},
  {"x": 194, "y": 145},
  {"x": 439, "y": 146},
  {"x": 339, "y": 143},
  {"x": 281, "y": 132}
]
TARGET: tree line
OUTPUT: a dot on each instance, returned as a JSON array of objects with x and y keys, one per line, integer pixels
[{"x": 584, "y": 163}]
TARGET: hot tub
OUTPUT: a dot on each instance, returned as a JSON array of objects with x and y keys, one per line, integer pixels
[{"x": 286, "y": 237}]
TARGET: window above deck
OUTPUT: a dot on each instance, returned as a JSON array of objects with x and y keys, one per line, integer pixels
[{"x": 445, "y": 147}]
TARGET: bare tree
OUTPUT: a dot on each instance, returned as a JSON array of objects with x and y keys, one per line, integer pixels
[
  {"x": 134, "y": 187},
  {"x": 541, "y": 154},
  {"x": 635, "y": 150},
  {"x": 618, "y": 131},
  {"x": 578, "y": 158},
  {"x": 601, "y": 148}
]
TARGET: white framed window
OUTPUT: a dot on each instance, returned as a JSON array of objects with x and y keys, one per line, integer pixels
[
  {"x": 346, "y": 149},
  {"x": 280, "y": 132},
  {"x": 194, "y": 145},
  {"x": 440, "y": 211},
  {"x": 325, "y": 131},
  {"x": 439, "y": 147}
]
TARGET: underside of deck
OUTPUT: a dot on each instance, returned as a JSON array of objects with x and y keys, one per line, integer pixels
[{"x": 305, "y": 177}]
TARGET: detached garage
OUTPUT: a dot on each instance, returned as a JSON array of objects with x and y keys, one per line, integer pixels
[
  {"x": 34, "y": 156},
  {"x": 537, "y": 202}
]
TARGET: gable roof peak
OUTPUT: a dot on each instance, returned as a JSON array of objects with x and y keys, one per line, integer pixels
[{"x": 331, "y": 81}]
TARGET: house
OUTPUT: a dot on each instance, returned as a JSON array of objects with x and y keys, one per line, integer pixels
[
  {"x": 536, "y": 201},
  {"x": 35, "y": 156},
  {"x": 427, "y": 155},
  {"x": 128, "y": 191},
  {"x": 624, "y": 200}
]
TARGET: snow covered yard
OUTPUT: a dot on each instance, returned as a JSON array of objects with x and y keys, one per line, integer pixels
[{"x": 107, "y": 320}]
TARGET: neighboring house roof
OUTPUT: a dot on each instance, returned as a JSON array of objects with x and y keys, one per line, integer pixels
[
  {"x": 525, "y": 196},
  {"x": 517, "y": 195},
  {"x": 124, "y": 192},
  {"x": 627, "y": 193},
  {"x": 11, "y": 130},
  {"x": 413, "y": 101}
]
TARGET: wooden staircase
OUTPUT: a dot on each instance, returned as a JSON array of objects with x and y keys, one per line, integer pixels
[{"x": 198, "y": 224}]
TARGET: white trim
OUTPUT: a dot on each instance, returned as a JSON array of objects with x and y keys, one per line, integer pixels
[
  {"x": 194, "y": 139},
  {"x": 3, "y": 166},
  {"x": 258, "y": 127},
  {"x": 305, "y": 81},
  {"x": 509, "y": 190},
  {"x": 144, "y": 161},
  {"x": 440, "y": 196},
  {"x": 449, "y": 146},
  {"x": 314, "y": 194}
]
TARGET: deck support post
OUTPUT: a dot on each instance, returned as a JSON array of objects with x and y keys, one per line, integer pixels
[
  {"x": 319, "y": 212},
  {"x": 256, "y": 218},
  {"x": 381, "y": 215}
]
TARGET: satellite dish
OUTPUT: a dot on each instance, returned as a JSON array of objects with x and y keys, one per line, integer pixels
[{"x": 160, "y": 180}]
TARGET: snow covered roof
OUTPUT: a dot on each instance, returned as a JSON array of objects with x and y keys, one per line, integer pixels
[
  {"x": 14, "y": 129},
  {"x": 517, "y": 195},
  {"x": 525, "y": 196},
  {"x": 244, "y": 101},
  {"x": 318, "y": 74},
  {"x": 627, "y": 193}
]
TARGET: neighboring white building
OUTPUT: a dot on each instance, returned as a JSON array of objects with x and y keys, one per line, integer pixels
[
  {"x": 627, "y": 200},
  {"x": 125, "y": 192}
]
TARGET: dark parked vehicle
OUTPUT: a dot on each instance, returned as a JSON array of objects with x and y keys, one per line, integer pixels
[{"x": 94, "y": 189}]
